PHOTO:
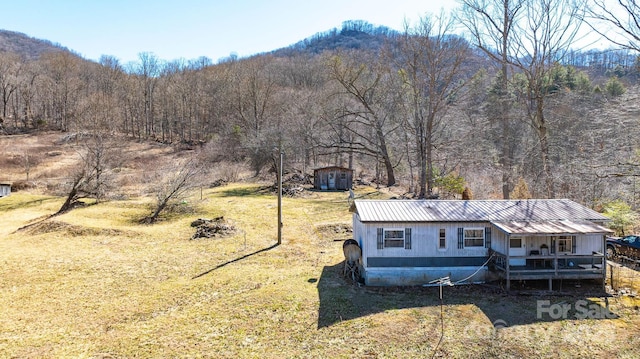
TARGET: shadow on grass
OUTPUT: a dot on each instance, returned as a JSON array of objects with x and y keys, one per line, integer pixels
[
  {"x": 6, "y": 205},
  {"x": 235, "y": 260},
  {"x": 341, "y": 300}
]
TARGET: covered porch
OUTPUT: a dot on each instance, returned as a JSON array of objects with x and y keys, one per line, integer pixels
[{"x": 549, "y": 250}]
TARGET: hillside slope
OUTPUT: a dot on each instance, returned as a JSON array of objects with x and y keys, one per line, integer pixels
[{"x": 27, "y": 47}]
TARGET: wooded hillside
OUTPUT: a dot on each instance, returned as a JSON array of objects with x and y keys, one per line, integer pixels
[{"x": 424, "y": 110}]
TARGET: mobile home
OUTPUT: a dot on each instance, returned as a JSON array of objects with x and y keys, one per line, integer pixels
[{"x": 413, "y": 242}]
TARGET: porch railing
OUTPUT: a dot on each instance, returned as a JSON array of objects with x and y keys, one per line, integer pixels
[{"x": 552, "y": 264}]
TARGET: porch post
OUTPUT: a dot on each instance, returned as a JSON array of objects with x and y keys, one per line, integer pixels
[
  {"x": 555, "y": 260},
  {"x": 604, "y": 262},
  {"x": 555, "y": 255},
  {"x": 507, "y": 262}
]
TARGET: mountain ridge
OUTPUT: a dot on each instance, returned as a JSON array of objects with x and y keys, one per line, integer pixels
[{"x": 29, "y": 48}]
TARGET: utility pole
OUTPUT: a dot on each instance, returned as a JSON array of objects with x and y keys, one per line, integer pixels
[{"x": 280, "y": 197}]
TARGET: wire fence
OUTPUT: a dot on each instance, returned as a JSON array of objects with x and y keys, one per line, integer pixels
[{"x": 624, "y": 276}]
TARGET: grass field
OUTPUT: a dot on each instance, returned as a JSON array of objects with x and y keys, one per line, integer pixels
[{"x": 94, "y": 283}]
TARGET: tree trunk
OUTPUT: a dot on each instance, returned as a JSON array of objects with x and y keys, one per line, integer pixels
[
  {"x": 422, "y": 156},
  {"x": 544, "y": 149},
  {"x": 384, "y": 151},
  {"x": 71, "y": 197},
  {"x": 505, "y": 158}
]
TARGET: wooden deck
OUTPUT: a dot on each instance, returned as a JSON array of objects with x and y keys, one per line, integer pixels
[{"x": 550, "y": 267}]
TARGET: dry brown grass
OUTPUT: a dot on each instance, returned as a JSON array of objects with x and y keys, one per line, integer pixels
[
  {"x": 95, "y": 284},
  {"x": 624, "y": 278}
]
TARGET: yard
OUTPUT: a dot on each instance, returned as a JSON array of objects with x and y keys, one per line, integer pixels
[{"x": 94, "y": 283}]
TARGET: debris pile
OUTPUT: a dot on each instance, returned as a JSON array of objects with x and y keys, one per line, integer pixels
[
  {"x": 288, "y": 190},
  {"x": 212, "y": 228},
  {"x": 291, "y": 190},
  {"x": 219, "y": 183},
  {"x": 302, "y": 179}
]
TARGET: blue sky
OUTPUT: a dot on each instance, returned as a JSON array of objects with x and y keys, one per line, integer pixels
[{"x": 192, "y": 28}]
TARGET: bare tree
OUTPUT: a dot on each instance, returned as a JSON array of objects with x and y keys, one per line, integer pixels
[
  {"x": 257, "y": 110},
  {"x": 64, "y": 86},
  {"x": 543, "y": 37},
  {"x": 621, "y": 19},
  {"x": 534, "y": 36},
  {"x": 366, "y": 118},
  {"x": 92, "y": 177},
  {"x": 9, "y": 69},
  {"x": 27, "y": 163},
  {"x": 26, "y": 98},
  {"x": 141, "y": 94},
  {"x": 104, "y": 103},
  {"x": 431, "y": 62},
  {"x": 176, "y": 182},
  {"x": 490, "y": 23}
]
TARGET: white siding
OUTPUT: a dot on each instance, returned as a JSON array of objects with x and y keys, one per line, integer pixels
[
  {"x": 590, "y": 243},
  {"x": 499, "y": 242},
  {"x": 424, "y": 240},
  {"x": 360, "y": 236}
]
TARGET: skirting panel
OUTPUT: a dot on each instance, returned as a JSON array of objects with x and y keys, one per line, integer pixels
[
  {"x": 423, "y": 275},
  {"x": 397, "y": 262}
]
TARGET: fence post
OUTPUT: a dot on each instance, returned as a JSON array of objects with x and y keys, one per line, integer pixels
[{"x": 611, "y": 276}]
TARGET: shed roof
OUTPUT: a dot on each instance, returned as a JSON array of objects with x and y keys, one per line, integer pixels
[
  {"x": 333, "y": 168},
  {"x": 473, "y": 210}
]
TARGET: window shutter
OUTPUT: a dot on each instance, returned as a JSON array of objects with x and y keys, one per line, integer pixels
[
  {"x": 487, "y": 237},
  {"x": 407, "y": 238},
  {"x": 573, "y": 244},
  {"x": 380, "y": 238},
  {"x": 553, "y": 245},
  {"x": 460, "y": 238}
]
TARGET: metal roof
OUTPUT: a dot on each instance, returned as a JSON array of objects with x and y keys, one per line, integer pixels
[
  {"x": 550, "y": 227},
  {"x": 333, "y": 167},
  {"x": 473, "y": 210}
]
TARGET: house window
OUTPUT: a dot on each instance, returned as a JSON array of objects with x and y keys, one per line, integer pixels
[
  {"x": 474, "y": 237},
  {"x": 515, "y": 242},
  {"x": 343, "y": 176},
  {"x": 564, "y": 244},
  {"x": 394, "y": 238},
  {"x": 442, "y": 243}
]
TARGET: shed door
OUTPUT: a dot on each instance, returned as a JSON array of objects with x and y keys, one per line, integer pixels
[{"x": 332, "y": 180}]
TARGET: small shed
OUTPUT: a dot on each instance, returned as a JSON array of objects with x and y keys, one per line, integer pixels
[
  {"x": 5, "y": 189},
  {"x": 332, "y": 178}
]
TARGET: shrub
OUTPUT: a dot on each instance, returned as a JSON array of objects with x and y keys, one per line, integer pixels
[
  {"x": 521, "y": 190},
  {"x": 614, "y": 87}
]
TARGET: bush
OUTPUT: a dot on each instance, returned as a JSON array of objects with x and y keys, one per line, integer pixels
[
  {"x": 614, "y": 87},
  {"x": 521, "y": 190}
]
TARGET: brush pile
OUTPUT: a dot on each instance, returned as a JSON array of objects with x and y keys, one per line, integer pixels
[{"x": 212, "y": 228}]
